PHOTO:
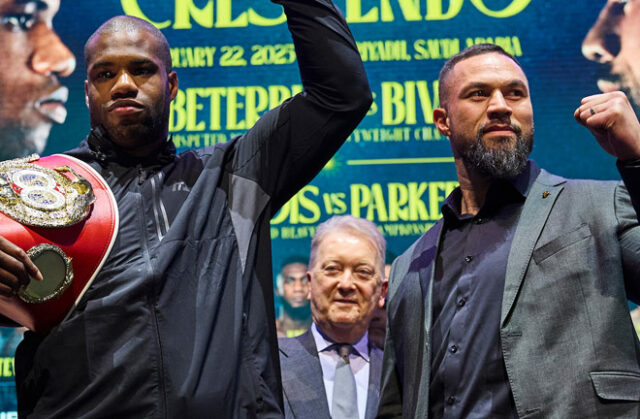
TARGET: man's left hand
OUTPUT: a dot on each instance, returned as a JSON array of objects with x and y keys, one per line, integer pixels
[{"x": 612, "y": 121}]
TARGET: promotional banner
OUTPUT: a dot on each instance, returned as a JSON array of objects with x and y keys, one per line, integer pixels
[{"x": 235, "y": 60}]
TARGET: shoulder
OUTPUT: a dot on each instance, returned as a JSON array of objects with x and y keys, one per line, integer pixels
[
  {"x": 419, "y": 254},
  {"x": 549, "y": 179},
  {"x": 297, "y": 346}
]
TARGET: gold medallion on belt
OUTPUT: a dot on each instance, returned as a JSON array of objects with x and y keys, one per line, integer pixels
[{"x": 43, "y": 197}]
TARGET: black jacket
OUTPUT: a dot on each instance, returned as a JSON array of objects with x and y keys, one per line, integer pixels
[{"x": 180, "y": 321}]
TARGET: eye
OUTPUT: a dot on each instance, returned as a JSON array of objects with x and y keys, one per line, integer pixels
[
  {"x": 364, "y": 273},
  {"x": 18, "y": 21},
  {"x": 331, "y": 269},
  {"x": 480, "y": 94},
  {"x": 515, "y": 93},
  {"x": 142, "y": 71},
  {"x": 104, "y": 75}
]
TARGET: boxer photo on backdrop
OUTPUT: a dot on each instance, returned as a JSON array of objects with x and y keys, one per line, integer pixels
[{"x": 32, "y": 58}]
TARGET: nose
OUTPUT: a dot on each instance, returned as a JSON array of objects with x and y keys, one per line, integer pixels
[
  {"x": 124, "y": 86},
  {"x": 50, "y": 55},
  {"x": 602, "y": 43},
  {"x": 498, "y": 106},
  {"x": 346, "y": 284},
  {"x": 298, "y": 285}
]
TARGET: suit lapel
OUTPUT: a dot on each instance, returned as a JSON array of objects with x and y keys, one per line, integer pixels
[
  {"x": 538, "y": 205},
  {"x": 304, "y": 388}
]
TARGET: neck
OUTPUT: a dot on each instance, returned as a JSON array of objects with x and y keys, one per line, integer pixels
[
  {"x": 473, "y": 185},
  {"x": 337, "y": 334}
]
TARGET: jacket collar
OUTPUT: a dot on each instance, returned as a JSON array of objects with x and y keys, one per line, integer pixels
[{"x": 104, "y": 150}]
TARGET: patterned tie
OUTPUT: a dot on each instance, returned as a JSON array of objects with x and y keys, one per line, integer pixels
[{"x": 345, "y": 399}]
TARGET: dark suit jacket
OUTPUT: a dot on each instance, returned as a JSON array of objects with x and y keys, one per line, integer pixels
[
  {"x": 302, "y": 385},
  {"x": 567, "y": 339}
]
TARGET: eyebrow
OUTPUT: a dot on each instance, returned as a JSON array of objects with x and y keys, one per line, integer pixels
[
  {"x": 138, "y": 61},
  {"x": 482, "y": 85}
]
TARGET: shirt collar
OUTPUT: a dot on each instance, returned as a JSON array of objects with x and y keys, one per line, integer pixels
[
  {"x": 323, "y": 343},
  {"x": 519, "y": 186}
]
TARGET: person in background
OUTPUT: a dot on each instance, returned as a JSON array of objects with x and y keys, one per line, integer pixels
[
  {"x": 333, "y": 369},
  {"x": 292, "y": 286}
]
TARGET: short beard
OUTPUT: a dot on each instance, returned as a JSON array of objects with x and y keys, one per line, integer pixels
[
  {"x": 151, "y": 128},
  {"x": 500, "y": 164}
]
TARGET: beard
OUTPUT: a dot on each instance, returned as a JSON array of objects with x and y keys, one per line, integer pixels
[
  {"x": 131, "y": 134},
  {"x": 500, "y": 163}
]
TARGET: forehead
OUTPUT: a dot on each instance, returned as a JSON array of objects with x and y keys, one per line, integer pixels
[
  {"x": 122, "y": 43},
  {"x": 490, "y": 68},
  {"x": 293, "y": 269},
  {"x": 346, "y": 244}
]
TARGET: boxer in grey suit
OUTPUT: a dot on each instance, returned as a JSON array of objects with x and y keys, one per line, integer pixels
[
  {"x": 346, "y": 284},
  {"x": 515, "y": 303}
]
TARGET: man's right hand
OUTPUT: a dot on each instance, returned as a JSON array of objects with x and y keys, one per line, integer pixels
[{"x": 16, "y": 269}]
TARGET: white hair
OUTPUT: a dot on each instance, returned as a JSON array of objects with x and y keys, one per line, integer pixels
[{"x": 358, "y": 226}]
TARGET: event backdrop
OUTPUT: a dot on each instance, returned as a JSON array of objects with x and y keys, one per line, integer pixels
[{"x": 235, "y": 60}]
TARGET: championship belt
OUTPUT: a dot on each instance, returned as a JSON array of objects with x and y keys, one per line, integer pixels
[{"x": 61, "y": 212}]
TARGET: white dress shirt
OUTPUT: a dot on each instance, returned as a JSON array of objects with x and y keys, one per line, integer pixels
[{"x": 359, "y": 365}]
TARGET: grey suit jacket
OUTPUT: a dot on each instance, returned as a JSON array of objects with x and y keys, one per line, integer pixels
[
  {"x": 302, "y": 385},
  {"x": 567, "y": 339}
]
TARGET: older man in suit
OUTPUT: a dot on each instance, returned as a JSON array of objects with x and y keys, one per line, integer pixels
[
  {"x": 515, "y": 303},
  {"x": 333, "y": 370}
]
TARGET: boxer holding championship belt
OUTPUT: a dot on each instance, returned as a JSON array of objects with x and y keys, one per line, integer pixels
[{"x": 62, "y": 213}]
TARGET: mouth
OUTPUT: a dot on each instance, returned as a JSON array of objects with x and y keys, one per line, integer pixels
[
  {"x": 125, "y": 107},
  {"x": 345, "y": 301},
  {"x": 499, "y": 129},
  {"x": 52, "y": 106}
]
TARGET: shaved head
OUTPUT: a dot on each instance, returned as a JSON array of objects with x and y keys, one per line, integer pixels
[{"x": 130, "y": 24}]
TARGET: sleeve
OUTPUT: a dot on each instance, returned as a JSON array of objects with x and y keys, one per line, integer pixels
[
  {"x": 290, "y": 144},
  {"x": 627, "y": 208},
  {"x": 390, "y": 405}
]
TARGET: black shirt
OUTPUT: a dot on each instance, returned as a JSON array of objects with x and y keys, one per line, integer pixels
[{"x": 468, "y": 376}]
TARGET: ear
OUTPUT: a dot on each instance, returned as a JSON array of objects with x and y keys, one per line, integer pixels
[
  {"x": 309, "y": 280},
  {"x": 173, "y": 84},
  {"x": 383, "y": 293},
  {"x": 86, "y": 93},
  {"x": 441, "y": 120}
]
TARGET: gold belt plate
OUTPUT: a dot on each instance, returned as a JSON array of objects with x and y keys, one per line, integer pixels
[{"x": 42, "y": 197}]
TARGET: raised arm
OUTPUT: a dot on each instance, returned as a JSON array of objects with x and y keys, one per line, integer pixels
[
  {"x": 289, "y": 145},
  {"x": 613, "y": 123}
]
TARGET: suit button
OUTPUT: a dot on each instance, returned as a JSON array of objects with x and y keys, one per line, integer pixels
[
  {"x": 453, "y": 349},
  {"x": 462, "y": 302},
  {"x": 451, "y": 400},
  {"x": 468, "y": 259}
]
